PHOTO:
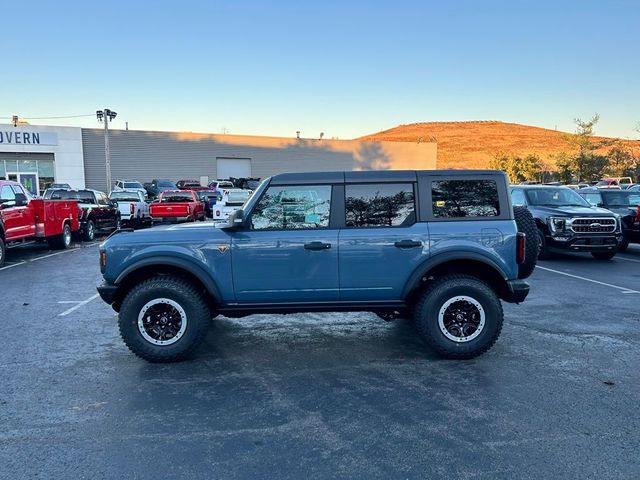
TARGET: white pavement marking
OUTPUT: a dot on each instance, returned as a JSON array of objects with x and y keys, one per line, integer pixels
[
  {"x": 14, "y": 265},
  {"x": 628, "y": 259},
  {"x": 54, "y": 254},
  {"x": 623, "y": 289},
  {"x": 80, "y": 304},
  {"x": 22, "y": 262}
]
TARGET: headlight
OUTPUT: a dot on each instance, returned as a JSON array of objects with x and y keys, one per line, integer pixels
[{"x": 557, "y": 224}]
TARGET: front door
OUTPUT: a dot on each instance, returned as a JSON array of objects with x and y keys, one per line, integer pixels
[
  {"x": 381, "y": 244},
  {"x": 287, "y": 252}
]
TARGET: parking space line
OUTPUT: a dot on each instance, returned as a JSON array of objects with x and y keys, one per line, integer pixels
[
  {"x": 14, "y": 265},
  {"x": 22, "y": 262},
  {"x": 628, "y": 259},
  {"x": 54, "y": 254},
  {"x": 623, "y": 289},
  {"x": 80, "y": 304}
]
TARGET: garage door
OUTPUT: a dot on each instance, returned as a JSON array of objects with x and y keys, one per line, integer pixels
[{"x": 233, "y": 167}]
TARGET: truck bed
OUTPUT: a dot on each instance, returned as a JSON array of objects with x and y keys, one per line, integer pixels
[{"x": 50, "y": 216}]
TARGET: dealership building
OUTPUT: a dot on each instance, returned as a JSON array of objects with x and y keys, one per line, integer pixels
[{"x": 37, "y": 156}]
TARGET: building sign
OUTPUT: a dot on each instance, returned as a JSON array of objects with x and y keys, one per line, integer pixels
[{"x": 19, "y": 137}]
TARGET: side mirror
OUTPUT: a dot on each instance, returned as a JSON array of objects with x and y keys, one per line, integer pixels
[
  {"x": 21, "y": 200},
  {"x": 235, "y": 221},
  {"x": 114, "y": 204}
]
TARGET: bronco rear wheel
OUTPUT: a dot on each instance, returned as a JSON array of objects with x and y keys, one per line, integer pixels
[
  {"x": 459, "y": 316},
  {"x": 164, "y": 319}
]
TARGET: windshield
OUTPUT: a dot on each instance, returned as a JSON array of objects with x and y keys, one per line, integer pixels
[
  {"x": 166, "y": 184},
  {"x": 206, "y": 194},
  {"x": 133, "y": 185},
  {"x": 253, "y": 184},
  {"x": 555, "y": 197},
  {"x": 176, "y": 197},
  {"x": 124, "y": 196}
]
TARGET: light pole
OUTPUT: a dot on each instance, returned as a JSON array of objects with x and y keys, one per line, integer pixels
[{"x": 107, "y": 116}]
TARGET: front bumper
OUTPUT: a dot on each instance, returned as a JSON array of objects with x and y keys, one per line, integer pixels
[
  {"x": 584, "y": 243},
  {"x": 107, "y": 292},
  {"x": 517, "y": 291}
]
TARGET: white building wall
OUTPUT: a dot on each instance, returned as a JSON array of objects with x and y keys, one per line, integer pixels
[{"x": 67, "y": 150}]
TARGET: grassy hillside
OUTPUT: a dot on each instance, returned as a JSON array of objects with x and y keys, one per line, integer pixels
[{"x": 473, "y": 144}]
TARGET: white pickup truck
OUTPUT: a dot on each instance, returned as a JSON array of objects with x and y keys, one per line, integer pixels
[
  {"x": 232, "y": 199},
  {"x": 134, "y": 211}
]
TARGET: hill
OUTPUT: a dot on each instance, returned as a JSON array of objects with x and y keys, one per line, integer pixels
[{"x": 473, "y": 144}]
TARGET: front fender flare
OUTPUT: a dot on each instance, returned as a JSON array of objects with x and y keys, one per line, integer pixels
[{"x": 182, "y": 263}]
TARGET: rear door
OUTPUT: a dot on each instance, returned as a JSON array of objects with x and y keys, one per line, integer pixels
[
  {"x": 381, "y": 243},
  {"x": 289, "y": 249}
]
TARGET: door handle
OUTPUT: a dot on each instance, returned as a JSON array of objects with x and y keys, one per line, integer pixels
[
  {"x": 317, "y": 246},
  {"x": 407, "y": 244}
]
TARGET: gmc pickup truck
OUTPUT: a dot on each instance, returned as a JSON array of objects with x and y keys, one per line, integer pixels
[
  {"x": 177, "y": 206},
  {"x": 440, "y": 247},
  {"x": 23, "y": 219}
]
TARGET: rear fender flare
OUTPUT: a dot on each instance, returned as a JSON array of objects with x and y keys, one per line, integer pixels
[{"x": 423, "y": 269}]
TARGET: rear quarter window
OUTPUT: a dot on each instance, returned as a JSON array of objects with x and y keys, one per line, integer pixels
[{"x": 459, "y": 199}]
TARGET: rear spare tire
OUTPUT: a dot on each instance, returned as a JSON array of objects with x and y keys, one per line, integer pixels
[
  {"x": 164, "y": 319},
  {"x": 459, "y": 316},
  {"x": 527, "y": 225}
]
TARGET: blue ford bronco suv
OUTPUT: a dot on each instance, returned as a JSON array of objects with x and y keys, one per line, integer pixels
[{"x": 441, "y": 248}]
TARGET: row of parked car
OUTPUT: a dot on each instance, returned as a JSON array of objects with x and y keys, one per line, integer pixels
[
  {"x": 63, "y": 212},
  {"x": 601, "y": 221}
]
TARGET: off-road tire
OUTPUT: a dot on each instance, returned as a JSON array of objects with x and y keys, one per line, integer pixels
[
  {"x": 527, "y": 225},
  {"x": 3, "y": 252},
  {"x": 543, "y": 250},
  {"x": 89, "y": 233},
  {"x": 603, "y": 255},
  {"x": 62, "y": 241},
  {"x": 180, "y": 291},
  {"x": 428, "y": 306}
]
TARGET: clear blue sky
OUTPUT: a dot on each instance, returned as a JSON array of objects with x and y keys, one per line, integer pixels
[{"x": 346, "y": 68}]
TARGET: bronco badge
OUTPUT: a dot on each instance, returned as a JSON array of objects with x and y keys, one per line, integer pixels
[{"x": 223, "y": 248}]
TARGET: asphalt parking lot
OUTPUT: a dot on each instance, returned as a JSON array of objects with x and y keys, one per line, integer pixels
[{"x": 321, "y": 395}]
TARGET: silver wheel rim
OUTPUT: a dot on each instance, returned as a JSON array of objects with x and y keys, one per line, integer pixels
[
  {"x": 66, "y": 237},
  {"x": 90, "y": 230},
  {"x": 162, "y": 321},
  {"x": 461, "y": 319}
]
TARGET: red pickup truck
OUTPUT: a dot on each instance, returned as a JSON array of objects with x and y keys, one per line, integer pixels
[
  {"x": 176, "y": 206},
  {"x": 24, "y": 219}
]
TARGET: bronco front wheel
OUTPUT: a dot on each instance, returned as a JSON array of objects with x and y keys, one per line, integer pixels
[
  {"x": 459, "y": 316},
  {"x": 164, "y": 319}
]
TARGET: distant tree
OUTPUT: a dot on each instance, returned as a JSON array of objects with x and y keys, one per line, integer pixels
[
  {"x": 518, "y": 169},
  {"x": 564, "y": 163},
  {"x": 620, "y": 161},
  {"x": 584, "y": 164}
]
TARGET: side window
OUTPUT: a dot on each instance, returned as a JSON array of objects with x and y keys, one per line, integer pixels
[
  {"x": 465, "y": 198},
  {"x": 379, "y": 205},
  {"x": 517, "y": 197},
  {"x": 293, "y": 207},
  {"x": 7, "y": 193},
  {"x": 18, "y": 189},
  {"x": 593, "y": 199}
]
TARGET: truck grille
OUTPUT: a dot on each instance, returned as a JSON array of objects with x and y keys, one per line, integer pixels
[{"x": 593, "y": 225}]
